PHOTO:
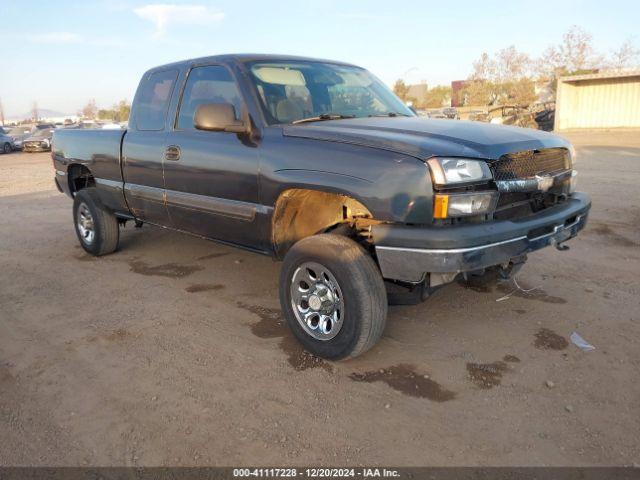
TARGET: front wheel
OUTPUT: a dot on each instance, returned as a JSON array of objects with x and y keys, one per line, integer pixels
[
  {"x": 333, "y": 296},
  {"x": 7, "y": 148},
  {"x": 96, "y": 227}
]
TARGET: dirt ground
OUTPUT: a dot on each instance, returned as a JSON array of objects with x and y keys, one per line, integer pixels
[{"x": 172, "y": 351}]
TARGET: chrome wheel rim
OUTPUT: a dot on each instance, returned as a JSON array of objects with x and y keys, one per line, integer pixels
[
  {"x": 85, "y": 224},
  {"x": 317, "y": 301}
]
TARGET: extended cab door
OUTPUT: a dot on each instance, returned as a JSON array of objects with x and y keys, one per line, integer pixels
[
  {"x": 143, "y": 148},
  {"x": 211, "y": 178}
]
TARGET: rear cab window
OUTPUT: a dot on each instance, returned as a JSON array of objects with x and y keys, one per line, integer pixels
[{"x": 154, "y": 98}]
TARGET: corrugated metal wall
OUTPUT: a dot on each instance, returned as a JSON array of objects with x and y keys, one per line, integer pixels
[{"x": 598, "y": 103}]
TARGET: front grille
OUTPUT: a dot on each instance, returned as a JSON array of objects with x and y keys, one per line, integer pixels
[
  {"x": 529, "y": 163},
  {"x": 524, "y": 165}
]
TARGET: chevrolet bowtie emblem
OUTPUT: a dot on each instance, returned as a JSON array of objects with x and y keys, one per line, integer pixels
[{"x": 544, "y": 182}]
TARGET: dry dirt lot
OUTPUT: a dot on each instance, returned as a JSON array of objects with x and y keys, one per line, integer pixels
[{"x": 172, "y": 351}]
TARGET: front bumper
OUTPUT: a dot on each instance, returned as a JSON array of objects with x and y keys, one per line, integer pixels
[
  {"x": 31, "y": 147},
  {"x": 408, "y": 253}
]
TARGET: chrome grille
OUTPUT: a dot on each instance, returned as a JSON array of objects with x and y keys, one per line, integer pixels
[{"x": 529, "y": 163}]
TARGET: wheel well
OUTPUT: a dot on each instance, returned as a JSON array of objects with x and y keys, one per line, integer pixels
[
  {"x": 79, "y": 177},
  {"x": 300, "y": 213}
]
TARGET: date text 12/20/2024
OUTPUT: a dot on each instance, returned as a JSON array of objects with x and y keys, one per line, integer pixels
[{"x": 315, "y": 473}]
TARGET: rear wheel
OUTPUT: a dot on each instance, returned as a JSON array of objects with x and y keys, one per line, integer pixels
[
  {"x": 333, "y": 296},
  {"x": 6, "y": 148},
  {"x": 96, "y": 227}
]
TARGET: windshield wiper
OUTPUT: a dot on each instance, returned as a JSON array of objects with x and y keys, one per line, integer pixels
[
  {"x": 390, "y": 114},
  {"x": 323, "y": 116}
]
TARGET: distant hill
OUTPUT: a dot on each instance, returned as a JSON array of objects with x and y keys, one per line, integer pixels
[{"x": 43, "y": 113}]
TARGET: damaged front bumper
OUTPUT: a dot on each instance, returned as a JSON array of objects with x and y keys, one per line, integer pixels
[{"x": 408, "y": 254}]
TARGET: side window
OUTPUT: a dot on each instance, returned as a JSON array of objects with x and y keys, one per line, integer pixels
[
  {"x": 153, "y": 100},
  {"x": 213, "y": 84}
]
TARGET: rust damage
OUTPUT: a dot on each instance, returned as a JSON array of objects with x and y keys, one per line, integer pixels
[{"x": 300, "y": 213}]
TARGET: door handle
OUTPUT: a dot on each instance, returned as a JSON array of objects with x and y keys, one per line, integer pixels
[{"x": 172, "y": 153}]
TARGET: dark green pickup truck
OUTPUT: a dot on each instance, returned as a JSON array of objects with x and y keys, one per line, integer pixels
[{"x": 319, "y": 164}]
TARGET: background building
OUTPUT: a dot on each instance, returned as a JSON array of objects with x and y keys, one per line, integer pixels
[{"x": 599, "y": 100}]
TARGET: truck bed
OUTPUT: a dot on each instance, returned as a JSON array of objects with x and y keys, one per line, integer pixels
[{"x": 98, "y": 150}]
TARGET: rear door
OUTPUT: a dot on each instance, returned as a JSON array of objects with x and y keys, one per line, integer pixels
[
  {"x": 211, "y": 178},
  {"x": 143, "y": 147}
]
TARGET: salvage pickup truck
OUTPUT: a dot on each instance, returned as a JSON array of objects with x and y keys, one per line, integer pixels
[{"x": 319, "y": 164}]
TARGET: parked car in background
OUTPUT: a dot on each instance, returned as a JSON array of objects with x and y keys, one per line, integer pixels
[
  {"x": 545, "y": 115},
  {"x": 19, "y": 133},
  {"x": 40, "y": 141},
  {"x": 436, "y": 114},
  {"x": 6, "y": 143},
  {"x": 451, "y": 113},
  {"x": 478, "y": 116}
]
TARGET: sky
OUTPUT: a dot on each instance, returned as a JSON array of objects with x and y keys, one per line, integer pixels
[{"x": 63, "y": 53}]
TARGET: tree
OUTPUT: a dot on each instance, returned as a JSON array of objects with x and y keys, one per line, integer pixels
[
  {"x": 401, "y": 89},
  {"x": 437, "y": 97},
  {"x": 574, "y": 55},
  {"x": 479, "y": 92},
  {"x": 626, "y": 56},
  {"x": 519, "y": 92},
  {"x": 501, "y": 78},
  {"x": 123, "y": 109},
  {"x": 484, "y": 68},
  {"x": 104, "y": 114},
  {"x": 90, "y": 110},
  {"x": 511, "y": 65}
]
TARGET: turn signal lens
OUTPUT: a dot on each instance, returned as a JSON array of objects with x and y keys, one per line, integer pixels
[
  {"x": 463, "y": 204},
  {"x": 440, "y": 206}
]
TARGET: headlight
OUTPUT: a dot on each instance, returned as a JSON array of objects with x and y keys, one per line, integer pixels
[
  {"x": 573, "y": 180},
  {"x": 454, "y": 171},
  {"x": 464, "y": 204},
  {"x": 572, "y": 155}
]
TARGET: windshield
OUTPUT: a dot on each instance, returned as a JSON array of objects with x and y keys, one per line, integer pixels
[
  {"x": 42, "y": 133},
  {"x": 291, "y": 91}
]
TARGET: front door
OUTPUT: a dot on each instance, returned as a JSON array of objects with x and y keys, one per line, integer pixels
[{"x": 211, "y": 178}]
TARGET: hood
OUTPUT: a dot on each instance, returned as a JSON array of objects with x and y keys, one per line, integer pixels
[
  {"x": 424, "y": 137},
  {"x": 38, "y": 139}
]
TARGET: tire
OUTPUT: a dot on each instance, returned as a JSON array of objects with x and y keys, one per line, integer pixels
[
  {"x": 6, "y": 148},
  {"x": 96, "y": 227},
  {"x": 342, "y": 267}
]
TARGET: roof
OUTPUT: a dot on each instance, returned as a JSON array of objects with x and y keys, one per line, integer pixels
[
  {"x": 248, "y": 57},
  {"x": 601, "y": 76}
]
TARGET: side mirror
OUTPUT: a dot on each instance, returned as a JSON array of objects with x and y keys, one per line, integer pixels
[{"x": 218, "y": 117}]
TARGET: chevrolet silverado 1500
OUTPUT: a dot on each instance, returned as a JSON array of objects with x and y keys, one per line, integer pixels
[{"x": 319, "y": 164}]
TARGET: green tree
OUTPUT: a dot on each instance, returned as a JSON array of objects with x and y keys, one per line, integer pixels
[
  {"x": 479, "y": 92},
  {"x": 401, "y": 89},
  {"x": 123, "y": 109},
  {"x": 519, "y": 92},
  {"x": 437, "y": 97}
]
